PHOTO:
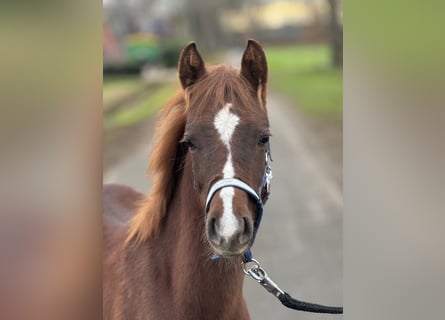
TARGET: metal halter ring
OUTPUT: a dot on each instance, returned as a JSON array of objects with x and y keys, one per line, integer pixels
[
  {"x": 258, "y": 273},
  {"x": 252, "y": 271}
]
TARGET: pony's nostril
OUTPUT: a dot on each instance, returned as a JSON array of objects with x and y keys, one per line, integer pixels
[
  {"x": 216, "y": 225},
  {"x": 246, "y": 231},
  {"x": 247, "y": 226},
  {"x": 212, "y": 230},
  {"x": 212, "y": 226}
]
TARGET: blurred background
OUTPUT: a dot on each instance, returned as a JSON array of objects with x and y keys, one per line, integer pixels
[
  {"x": 51, "y": 151},
  {"x": 300, "y": 241}
]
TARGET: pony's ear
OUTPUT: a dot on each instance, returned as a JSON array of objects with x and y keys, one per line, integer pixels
[
  {"x": 254, "y": 68},
  {"x": 191, "y": 66}
]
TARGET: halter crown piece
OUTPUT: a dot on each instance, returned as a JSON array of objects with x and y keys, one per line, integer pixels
[{"x": 260, "y": 199}]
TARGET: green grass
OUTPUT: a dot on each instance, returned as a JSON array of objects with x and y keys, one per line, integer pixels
[
  {"x": 118, "y": 87},
  {"x": 141, "y": 110},
  {"x": 304, "y": 74}
]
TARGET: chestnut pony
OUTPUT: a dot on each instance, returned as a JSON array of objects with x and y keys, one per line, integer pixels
[{"x": 158, "y": 248}]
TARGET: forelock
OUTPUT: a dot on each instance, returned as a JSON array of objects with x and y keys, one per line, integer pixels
[{"x": 222, "y": 84}]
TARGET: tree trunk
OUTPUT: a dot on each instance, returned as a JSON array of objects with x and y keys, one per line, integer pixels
[
  {"x": 202, "y": 17},
  {"x": 336, "y": 35}
]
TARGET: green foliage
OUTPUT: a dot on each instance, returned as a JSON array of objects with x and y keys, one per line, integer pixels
[
  {"x": 304, "y": 74},
  {"x": 170, "y": 51},
  {"x": 142, "y": 48},
  {"x": 119, "y": 87},
  {"x": 140, "y": 110}
]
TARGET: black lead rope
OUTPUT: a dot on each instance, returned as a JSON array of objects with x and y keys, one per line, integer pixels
[
  {"x": 295, "y": 304},
  {"x": 258, "y": 273}
]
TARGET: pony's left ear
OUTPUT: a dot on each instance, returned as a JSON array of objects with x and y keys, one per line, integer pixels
[
  {"x": 254, "y": 68},
  {"x": 191, "y": 66}
]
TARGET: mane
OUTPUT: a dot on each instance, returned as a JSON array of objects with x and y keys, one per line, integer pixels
[{"x": 221, "y": 84}]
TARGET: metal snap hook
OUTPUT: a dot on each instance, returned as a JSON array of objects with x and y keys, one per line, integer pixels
[
  {"x": 260, "y": 275},
  {"x": 255, "y": 265}
]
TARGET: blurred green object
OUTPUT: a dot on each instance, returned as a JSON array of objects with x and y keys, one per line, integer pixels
[
  {"x": 304, "y": 74},
  {"x": 142, "y": 48},
  {"x": 140, "y": 110},
  {"x": 118, "y": 88},
  {"x": 170, "y": 51}
]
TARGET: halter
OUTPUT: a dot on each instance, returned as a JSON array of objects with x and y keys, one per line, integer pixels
[{"x": 259, "y": 200}]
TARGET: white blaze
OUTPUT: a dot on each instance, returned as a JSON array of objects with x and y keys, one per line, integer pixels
[{"x": 225, "y": 123}]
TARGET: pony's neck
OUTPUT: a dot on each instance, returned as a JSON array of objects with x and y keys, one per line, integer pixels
[{"x": 199, "y": 284}]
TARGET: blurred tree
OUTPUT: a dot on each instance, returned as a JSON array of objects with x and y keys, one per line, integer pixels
[
  {"x": 336, "y": 34},
  {"x": 121, "y": 16},
  {"x": 142, "y": 12},
  {"x": 317, "y": 30},
  {"x": 203, "y": 19}
]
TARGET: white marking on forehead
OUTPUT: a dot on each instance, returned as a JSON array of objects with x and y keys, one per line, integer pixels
[
  {"x": 225, "y": 123},
  {"x": 228, "y": 170}
]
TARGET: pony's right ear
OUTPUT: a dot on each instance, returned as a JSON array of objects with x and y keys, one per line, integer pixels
[
  {"x": 254, "y": 68},
  {"x": 191, "y": 66}
]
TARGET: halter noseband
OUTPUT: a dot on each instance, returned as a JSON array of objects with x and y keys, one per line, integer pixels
[{"x": 259, "y": 201}]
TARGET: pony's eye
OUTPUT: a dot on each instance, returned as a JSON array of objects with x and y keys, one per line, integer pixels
[
  {"x": 263, "y": 140},
  {"x": 190, "y": 144}
]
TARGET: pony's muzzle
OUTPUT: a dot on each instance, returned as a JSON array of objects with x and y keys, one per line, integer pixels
[{"x": 229, "y": 237}]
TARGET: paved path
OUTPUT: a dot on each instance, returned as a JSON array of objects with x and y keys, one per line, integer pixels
[
  {"x": 300, "y": 239},
  {"x": 131, "y": 171}
]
